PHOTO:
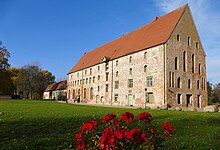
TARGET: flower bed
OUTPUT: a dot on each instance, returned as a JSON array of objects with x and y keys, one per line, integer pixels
[{"x": 117, "y": 134}]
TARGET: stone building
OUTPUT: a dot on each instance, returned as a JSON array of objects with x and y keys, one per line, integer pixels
[{"x": 160, "y": 63}]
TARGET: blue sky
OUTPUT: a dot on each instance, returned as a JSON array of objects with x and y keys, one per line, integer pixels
[{"x": 55, "y": 33}]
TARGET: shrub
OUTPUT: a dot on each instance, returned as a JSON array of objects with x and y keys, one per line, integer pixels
[{"x": 116, "y": 134}]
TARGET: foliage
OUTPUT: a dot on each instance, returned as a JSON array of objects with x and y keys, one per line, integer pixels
[
  {"x": 4, "y": 55},
  {"x": 118, "y": 135},
  {"x": 40, "y": 124},
  {"x": 216, "y": 94},
  {"x": 31, "y": 81}
]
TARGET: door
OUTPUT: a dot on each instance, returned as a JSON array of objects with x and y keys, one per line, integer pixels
[
  {"x": 130, "y": 99},
  {"x": 198, "y": 101},
  {"x": 150, "y": 97}
]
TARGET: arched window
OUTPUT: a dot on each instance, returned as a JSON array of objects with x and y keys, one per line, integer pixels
[
  {"x": 193, "y": 63},
  {"x": 178, "y": 82},
  {"x": 145, "y": 68},
  {"x": 116, "y": 74},
  {"x": 176, "y": 63},
  {"x": 189, "y": 41},
  {"x": 189, "y": 83},
  {"x": 178, "y": 37},
  {"x": 84, "y": 93},
  {"x": 91, "y": 93},
  {"x": 184, "y": 61},
  {"x": 170, "y": 78},
  {"x": 173, "y": 81},
  {"x": 130, "y": 71},
  {"x": 199, "y": 68},
  {"x": 130, "y": 59},
  {"x": 145, "y": 55},
  {"x": 198, "y": 84}
]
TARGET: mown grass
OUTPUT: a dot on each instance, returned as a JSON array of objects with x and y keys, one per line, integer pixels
[{"x": 29, "y": 124}]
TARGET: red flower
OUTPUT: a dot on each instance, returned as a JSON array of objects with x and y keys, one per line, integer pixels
[
  {"x": 152, "y": 131},
  {"x": 81, "y": 144},
  {"x": 167, "y": 128},
  {"x": 138, "y": 135},
  {"x": 127, "y": 116},
  {"x": 78, "y": 136},
  {"x": 145, "y": 116},
  {"x": 109, "y": 117},
  {"x": 118, "y": 135},
  {"x": 89, "y": 126},
  {"x": 107, "y": 139}
]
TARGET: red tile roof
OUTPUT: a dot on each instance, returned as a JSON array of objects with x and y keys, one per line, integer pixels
[
  {"x": 155, "y": 33},
  {"x": 57, "y": 86}
]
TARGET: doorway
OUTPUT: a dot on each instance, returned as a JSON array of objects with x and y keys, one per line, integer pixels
[{"x": 188, "y": 99}]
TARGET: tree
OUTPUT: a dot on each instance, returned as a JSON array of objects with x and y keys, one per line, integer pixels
[
  {"x": 31, "y": 81},
  {"x": 216, "y": 94},
  {"x": 4, "y": 55},
  {"x": 5, "y": 82},
  {"x": 210, "y": 92}
]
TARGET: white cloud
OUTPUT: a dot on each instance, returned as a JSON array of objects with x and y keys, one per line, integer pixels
[{"x": 206, "y": 15}]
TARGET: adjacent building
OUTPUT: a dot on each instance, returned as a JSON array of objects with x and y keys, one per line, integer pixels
[
  {"x": 160, "y": 63},
  {"x": 56, "y": 91}
]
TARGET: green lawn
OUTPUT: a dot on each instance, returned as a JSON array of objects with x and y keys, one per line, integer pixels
[{"x": 29, "y": 124}]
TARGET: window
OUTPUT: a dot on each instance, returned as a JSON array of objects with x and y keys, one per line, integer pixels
[
  {"x": 130, "y": 83},
  {"x": 106, "y": 88},
  {"x": 184, "y": 61},
  {"x": 189, "y": 41},
  {"x": 130, "y": 71},
  {"x": 90, "y": 80},
  {"x": 176, "y": 63},
  {"x": 197, "y": 44},
  {"x": 173, "y": 79},
  {"x": 179, "y": 97},
  {"x": 77, "y": 82},
  {"x": 93, "y": 80},
  {"x": 91, "y": 93},
  {"x": 178, "y": 37},
  {"x": 106, "y": 76},
  {"x": 84, "y": 92},
  {"x": 193, "y": 63},
  {"x": 130, "y": 59},
  {"x": 98, "y": 77},
  {"x": 116, "y": 84},
  {"x": 116, "y": 97},
  {"x": 77, "y": 74},
  {"x": 149, "y": 81},
  {"x": 198, "y": 84},
  {"x": 85, "y": 72},
  {"x": 98, "y": 68},
  {"x": 90, "y": 71},
  {"x": 199, "y": 68},
  {"x": 145, "y": 68},
  {"x": 98, "y": 88},
  {"x": 178, "y": 82},
  {"x": 116, "y": 63},
  {"x": 86, "y": 80},
  {"x": 81, "y": 82},
  {"x": 106, "y": 66},
  {"x": 189, "y": 84},
  {"x": 170, "y": 78},
  {"x": 145, "y": 55},
  {"x": 116, "y": 74}
]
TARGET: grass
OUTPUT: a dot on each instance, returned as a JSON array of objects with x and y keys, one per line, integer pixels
[{"x": 32, "y": 124}]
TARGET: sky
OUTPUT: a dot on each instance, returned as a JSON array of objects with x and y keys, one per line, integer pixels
[{"x": 54, "y": 34}]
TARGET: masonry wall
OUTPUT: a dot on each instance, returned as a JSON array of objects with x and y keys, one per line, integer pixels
[
  {"x": 120, "y": 70},
  {"x": 195, "y": 90}
]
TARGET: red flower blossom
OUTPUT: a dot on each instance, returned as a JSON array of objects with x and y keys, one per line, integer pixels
[
  {"x": 127, "y": 116},
  {"x": 108, "y": 117},
  {"x": 89, "y": 126},
  {"x": 167, "y": 128},
  {"x": 118, "y": 135},
  {"x": 108, "y": 139},
  {"x": 138, "y": 135},
  {"x": 78, "y": 136},
  {"x": 81, "y": 144},
  {"x": 145, "y": 116}
]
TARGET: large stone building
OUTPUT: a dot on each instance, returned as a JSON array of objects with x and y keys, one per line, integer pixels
[{"x": 161, "y": 63}]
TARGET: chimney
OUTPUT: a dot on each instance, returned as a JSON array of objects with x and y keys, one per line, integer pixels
[{"x": 155, "y": 18}]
